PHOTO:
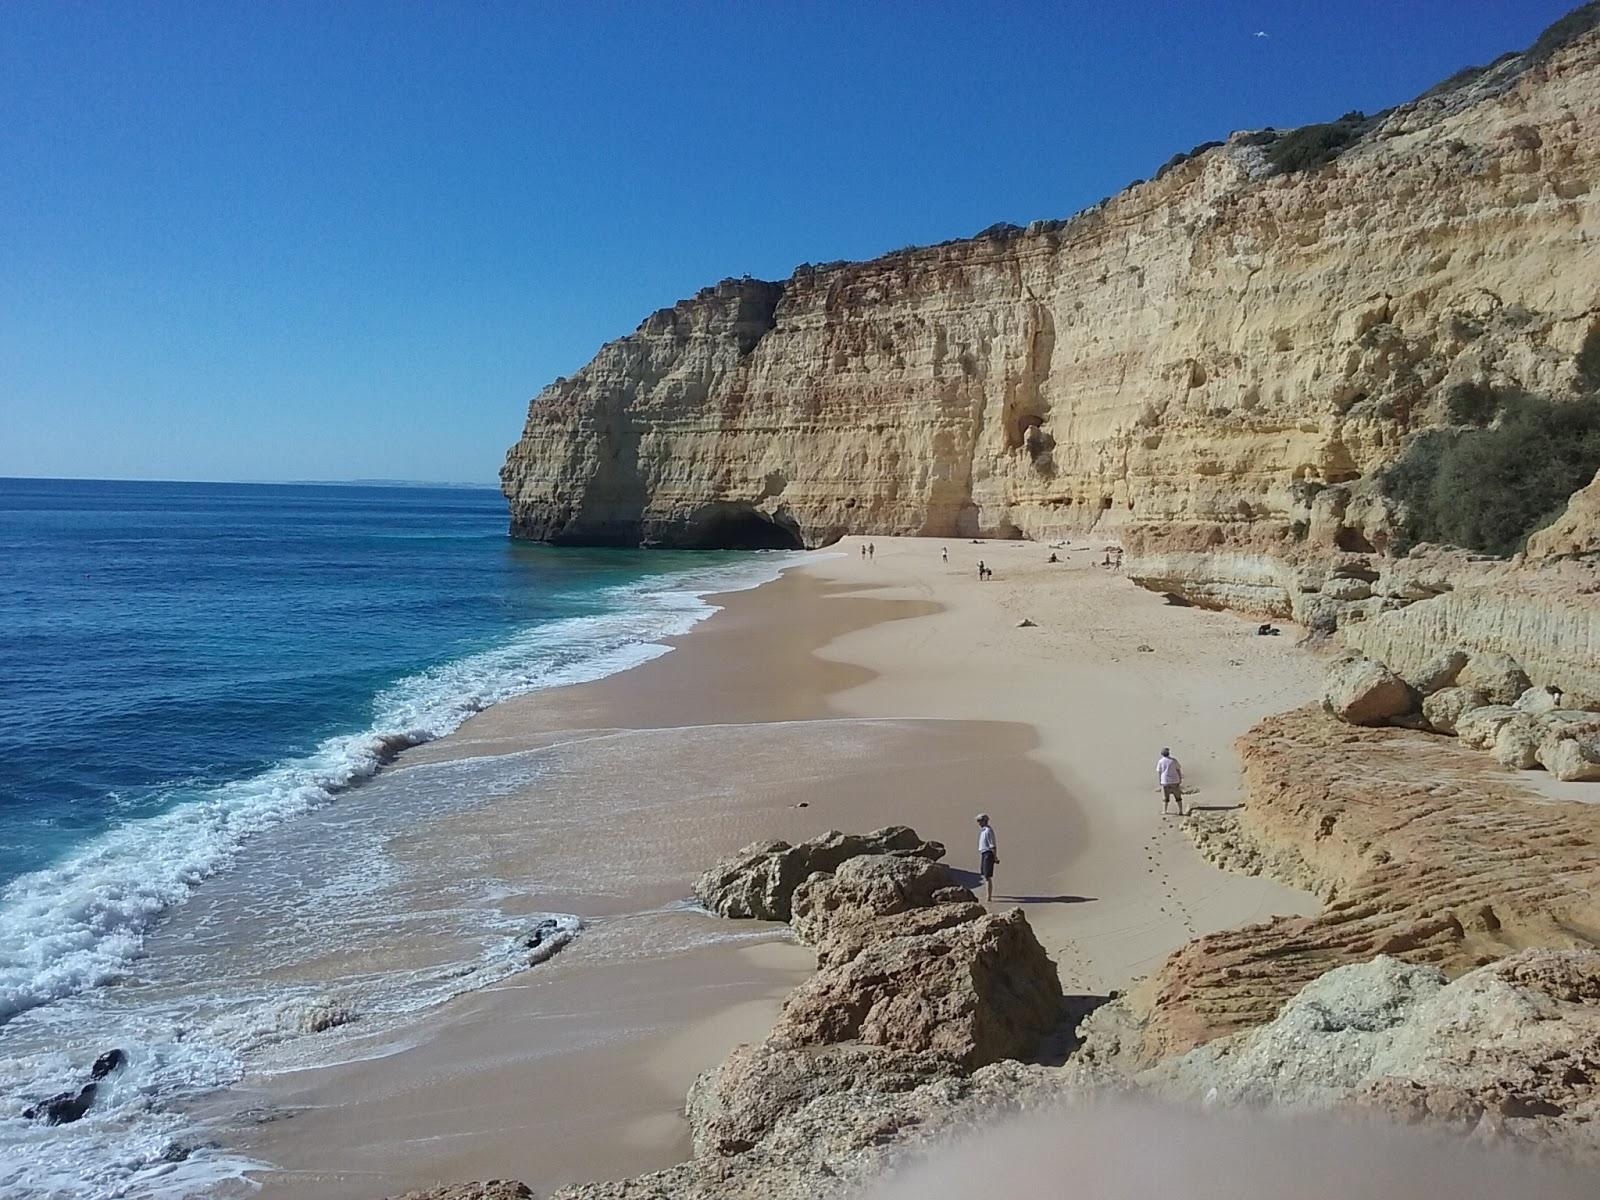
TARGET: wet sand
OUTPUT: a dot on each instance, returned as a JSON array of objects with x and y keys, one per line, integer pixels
[{"x": 848, "y": 694}]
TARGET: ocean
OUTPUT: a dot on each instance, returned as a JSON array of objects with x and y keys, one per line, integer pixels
[{"x": 192, "y": 678}]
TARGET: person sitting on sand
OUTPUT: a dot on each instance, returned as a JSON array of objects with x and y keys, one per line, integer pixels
[
  {"x": 988, "y": 856},
  {"x": 1170, "y": 775}
]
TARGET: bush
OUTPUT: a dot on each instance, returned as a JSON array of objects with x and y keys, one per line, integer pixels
[
  {"x": 1177, "y": 160},
  {"x": 1313, "y": 146},
  {"x": 1471, "y": 403},
  {"x": 1564, "y": 31},
  {"x": 1488, "y": 489}
]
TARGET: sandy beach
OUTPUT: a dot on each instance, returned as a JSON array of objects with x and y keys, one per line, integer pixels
[{"x": 849, "y": 694}]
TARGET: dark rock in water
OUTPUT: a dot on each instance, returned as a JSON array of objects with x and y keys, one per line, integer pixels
[
  {"x": 67, "y": 1107},
  {"x": 176, "y": 1153},
  {"x": 107, "y": 1063},
  {"x": 546, "y": 939}
]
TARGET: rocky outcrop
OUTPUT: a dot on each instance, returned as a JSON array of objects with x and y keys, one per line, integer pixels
[
  {"x": 975, "y": 991},
  {"x": 1575, "y": 532},
  {"x": 1213, "y": 364},
  {"x": 761, "y": 879},
  {"x": 1418, "y": 850},
  {"x": 1494, "y": 708},
  {"x": 1510, "y": 1050},
  {"x": 1363, "y": 692},
  {"x": 913, "y": 1024}
]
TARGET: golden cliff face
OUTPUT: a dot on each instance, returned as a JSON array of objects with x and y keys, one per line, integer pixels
[{"x": 1209, "y": 366}]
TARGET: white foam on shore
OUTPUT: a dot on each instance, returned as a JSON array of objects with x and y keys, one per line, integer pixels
[{"x": 81, "y": 924}]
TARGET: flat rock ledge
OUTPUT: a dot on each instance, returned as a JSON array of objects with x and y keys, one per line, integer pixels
[{"x": 1419, "y": 849}]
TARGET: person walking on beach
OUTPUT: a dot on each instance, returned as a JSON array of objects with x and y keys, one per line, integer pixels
[
  {"x": 872, "y": 550},
  {"x": 944, "y": 554},
  {"x": 983, "y": 571},
  {"x": 863, "y": 549},
  {"x": 988, "y": 856},
  {"x": 1170, "y": 775}
]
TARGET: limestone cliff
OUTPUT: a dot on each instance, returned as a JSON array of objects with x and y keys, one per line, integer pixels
[{"x": 1210, "y": 365}]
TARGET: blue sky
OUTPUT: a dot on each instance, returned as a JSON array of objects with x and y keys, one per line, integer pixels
[{"x": 334, "y": 241}]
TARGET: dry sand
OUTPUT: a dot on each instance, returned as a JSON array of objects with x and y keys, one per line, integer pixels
[{"x": 849, "y": 694}]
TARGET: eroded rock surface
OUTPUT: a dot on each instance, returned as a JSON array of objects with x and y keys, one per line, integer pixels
[
  {"x": 759, "y": 882},
  {"x": 1364, "y": 692},
  {"x": 1511, "y": 1049},
  {"x": 1419, "y": 851},
  {"x": 921, "y": 1004}
]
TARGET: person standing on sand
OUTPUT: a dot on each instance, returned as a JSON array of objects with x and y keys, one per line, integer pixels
[
  {"x": 982, "y": 570},
  {"x": 872, "y": 551},
  {"x": 944, "y": 554},
  {"x": 1170, "y": 775},
  {"x": 863, "y": 549},
  {"x": 988, "y": 856}
]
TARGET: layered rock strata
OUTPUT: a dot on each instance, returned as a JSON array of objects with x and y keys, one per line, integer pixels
[
  {"x": 1212, "y": 364},
  {"x": 1419, "y": 851}
]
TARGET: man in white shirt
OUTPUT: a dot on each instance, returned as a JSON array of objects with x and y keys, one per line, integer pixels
[
  {"x": 988, "y": 856},
  {"x": 1170, "y": 775}
]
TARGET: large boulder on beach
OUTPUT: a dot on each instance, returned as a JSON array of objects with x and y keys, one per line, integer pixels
[
  {"x": 1436, "y": 673},
  {"x": 759, "y": 882},
  {"x": 1570, "y": 750},
  {"x": 866, "y": 888},
  {"x": 1498, "y": 676},
  {"x": 975, "y": 992},
  {"x": 1446, "y": 706},
  {"x": 1516, "y": 743},
  {"x": 1478, "y": 727},
  {"x": 1361, "y": 691},
  {"x": 732, "y": 1108}
]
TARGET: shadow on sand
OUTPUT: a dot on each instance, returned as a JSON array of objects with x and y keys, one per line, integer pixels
[{"x": 1049, "y": 899}]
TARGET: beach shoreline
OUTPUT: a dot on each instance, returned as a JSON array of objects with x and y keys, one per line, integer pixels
[{"x": 850, "y": 694}]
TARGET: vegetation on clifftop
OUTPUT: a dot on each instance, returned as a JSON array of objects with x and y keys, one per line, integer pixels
[{"x": 1489, "y": 488}]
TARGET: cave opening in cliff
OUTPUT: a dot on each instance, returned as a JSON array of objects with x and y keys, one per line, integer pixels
[{"x": 740, "y": 527}]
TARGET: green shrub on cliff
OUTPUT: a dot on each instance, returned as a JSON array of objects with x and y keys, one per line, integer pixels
[
  {"x": 1564, "y": 31},
  {"x": 1488, "y": 489},
  {"x": 1313, "y": 146}
]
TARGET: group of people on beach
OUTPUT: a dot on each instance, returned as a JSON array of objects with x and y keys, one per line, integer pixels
[{"x": 1169, "y": 772}]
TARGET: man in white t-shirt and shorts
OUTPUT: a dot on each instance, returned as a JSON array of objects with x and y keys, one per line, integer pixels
[
  {"x": 1170, "y": 775},
  {"x": 988, "y": 856}
]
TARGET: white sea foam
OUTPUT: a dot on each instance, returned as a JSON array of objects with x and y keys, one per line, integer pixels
[
  {"x": 83, "y": 922},
  {"x": 79, "y": 923}
]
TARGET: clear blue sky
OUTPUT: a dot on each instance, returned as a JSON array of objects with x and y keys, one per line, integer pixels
[{"x": 348, "y": 240}]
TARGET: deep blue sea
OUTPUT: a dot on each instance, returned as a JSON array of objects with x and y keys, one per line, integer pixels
[{"x": 184, "y": 667}]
